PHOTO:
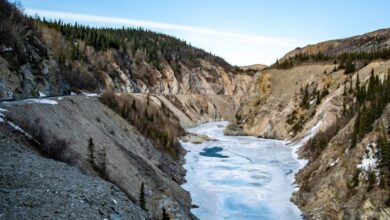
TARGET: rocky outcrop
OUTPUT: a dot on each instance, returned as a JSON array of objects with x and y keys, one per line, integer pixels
[
  {"x": 130, "y": 71},
  {"x": 35, "y": 187},
  {"x": 277, "y": 95},
  {"x": 37, "y": 73}
]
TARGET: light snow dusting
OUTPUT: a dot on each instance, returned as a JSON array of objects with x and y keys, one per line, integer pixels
[
  {"x": 240, "y": 177},
  {"x": 369, "y": 161}
]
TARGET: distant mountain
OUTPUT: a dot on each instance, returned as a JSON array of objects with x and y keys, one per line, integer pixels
[
  {"x": 350, "y": 53},
  {"x": 372, "y": 41}
]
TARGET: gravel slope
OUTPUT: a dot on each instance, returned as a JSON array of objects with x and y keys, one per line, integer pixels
[{"x": 35, "y": 187}]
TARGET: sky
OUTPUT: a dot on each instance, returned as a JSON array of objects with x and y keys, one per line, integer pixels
[{"x": 243, "y": 32}]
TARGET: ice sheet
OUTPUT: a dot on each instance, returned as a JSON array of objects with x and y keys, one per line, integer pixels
[{"x": 252, "y": 181}]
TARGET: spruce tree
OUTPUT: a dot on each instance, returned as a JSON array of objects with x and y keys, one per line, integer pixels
[
  {"x": 103, "y": 162},
  {"x": 133, "y": 105},
  {"x": 165, "y": 216},
  {"x": 318, "y": 98},
  {"x": 305, "y": 99},
  {"x": 91, "y": 151},
  {"x": 142, "y": 201}
]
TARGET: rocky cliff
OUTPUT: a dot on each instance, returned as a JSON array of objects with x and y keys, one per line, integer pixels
[
  {"x": 313, "y": 97},
  {"x": 26, "y": 66}
]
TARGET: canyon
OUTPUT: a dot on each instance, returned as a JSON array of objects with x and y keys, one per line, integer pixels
[{"x": 120, "y": 113}]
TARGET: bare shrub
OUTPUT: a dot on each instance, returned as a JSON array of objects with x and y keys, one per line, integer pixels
[
  {"x": 156, "y": 123},
  {"x": 50, "y": 145}
]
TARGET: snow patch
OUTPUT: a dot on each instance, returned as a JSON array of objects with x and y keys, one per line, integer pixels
[
  {"x": 2, "y": 115},
  {"x": 41, "y": 101},
  {"x": 307, "y": 136},
  {"x": 369, "y": 161},
  {"x": 334, "y": 162},
  {"x": 313, "y": 131},
  {"x": 90, "y": 94},
  {"x": 41, "y": 94},
  {"x": 7, "y": 49},
  {"x": 17, "y": 128}
]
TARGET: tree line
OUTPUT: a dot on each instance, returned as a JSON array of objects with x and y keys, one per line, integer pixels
[
  {"x": 156, "y": 46},
  {"x": 346, "y": 60}
]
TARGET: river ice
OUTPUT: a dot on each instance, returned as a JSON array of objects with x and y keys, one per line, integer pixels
[{"x": 240, "y": 177}]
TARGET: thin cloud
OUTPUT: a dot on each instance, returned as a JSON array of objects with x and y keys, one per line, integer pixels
[
  {"x": 246, "y": 38},
  {"x": 236, "y": 48}
]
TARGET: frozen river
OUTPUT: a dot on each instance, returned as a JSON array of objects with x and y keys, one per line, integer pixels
[{"x": 240, "y": 177}]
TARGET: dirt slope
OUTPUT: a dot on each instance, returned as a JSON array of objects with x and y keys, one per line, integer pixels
[{"x": 129, "y": 159}]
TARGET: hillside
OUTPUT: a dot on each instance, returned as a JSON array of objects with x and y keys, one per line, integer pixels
[
  {"x": 37, "y": 187},
  {"x": 55, "y": 57},
  {"x": 101, "y": 111},
  {"x": 118, "y": 100},
  {"x": 339, "y": 116},
  {"x": 376, "y": 40}
]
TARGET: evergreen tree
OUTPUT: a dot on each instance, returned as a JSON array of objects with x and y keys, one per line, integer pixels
[
  {"x": 318, "y": 98},
  {"x": 305, "y": 99},
  {"x": 147, "y": 99},
  {"x": 91, "y": 151},
  {"x": 165, "y": 216},
  {"x": 349, "y": 67},
  {"x": 133, "y": 105},
  {"x": 142, "y": 201},
  {"x": 103, "y": 163},
  {"x": 345, "y": 89}
]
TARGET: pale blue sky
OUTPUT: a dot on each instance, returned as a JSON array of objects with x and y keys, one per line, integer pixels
[{"x": 243, "y": 32}]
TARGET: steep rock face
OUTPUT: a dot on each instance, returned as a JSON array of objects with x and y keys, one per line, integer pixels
[
  {"x": 26, "y": 66},
  {"x": 129, "y": 159},
  {"x": 277, "y": 95},
  {"x": 193, "y": 109},
  {"x": 131, "y": 71},
  {"x": 328, "y": 188},
  {"x": 28, "y": 71},
  {"x": 35, "y": 187},
  {"x": 335, "y": 184},
  {"x": 367, "y": 42}
]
